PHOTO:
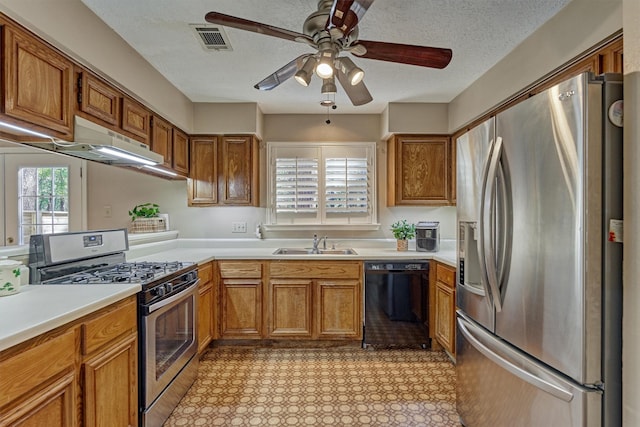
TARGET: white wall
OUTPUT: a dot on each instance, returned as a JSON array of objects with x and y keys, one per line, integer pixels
[
  {"x": 72, "y": 27},
  {"x": 576, "y": 28}
]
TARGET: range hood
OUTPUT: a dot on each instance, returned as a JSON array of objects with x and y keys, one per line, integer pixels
[{"x": 95, "y": 142}]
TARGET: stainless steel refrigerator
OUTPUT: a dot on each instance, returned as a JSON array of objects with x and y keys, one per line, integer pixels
[{"x": 539, "y": 289}]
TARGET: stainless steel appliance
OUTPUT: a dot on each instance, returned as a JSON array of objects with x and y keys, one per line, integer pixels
[
  {"x": 396, "y": 301},
  {"x": 539, "y": 284},
  {"x": 166, "y": 307},
  {"x": 428, "y": 236}
]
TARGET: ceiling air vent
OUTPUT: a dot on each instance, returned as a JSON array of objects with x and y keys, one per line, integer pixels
[{"x": 211, "y": 37}]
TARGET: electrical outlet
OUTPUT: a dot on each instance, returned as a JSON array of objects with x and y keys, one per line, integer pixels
[
  {"x": 107, "y": 211},
  {"x": 238, "y": 227}
]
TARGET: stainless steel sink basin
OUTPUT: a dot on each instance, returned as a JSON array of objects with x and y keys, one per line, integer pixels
[{"x": 310, "y": 251}]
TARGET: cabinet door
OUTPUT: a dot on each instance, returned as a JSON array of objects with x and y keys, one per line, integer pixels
[
  {"x": 338, "y": 313},
  {"x": 205, "y": 306},
  {"x": 241, "y": 314},
  {"x": 136, "y": 120},
  {"x": 162, "y": 140},
  {"x": 180, "y": 152},
  {"x": 111, "y": 385},
  {"x": 239, "y": 185},
  {"x": 290, "y": 308},
  {"x": 203, "y": 171},
  {"x": 54, "y": 406},
  {"x": 445, "y": 316},
  {"x": 419, "y": 168},
  {"x": 37, "y": 83},
  {"x": 98, "y": 100}
]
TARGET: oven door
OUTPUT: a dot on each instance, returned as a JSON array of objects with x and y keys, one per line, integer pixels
[{"x": 169, "y": 336}]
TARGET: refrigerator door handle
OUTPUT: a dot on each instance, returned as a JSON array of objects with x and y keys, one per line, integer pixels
[
  {"x": 487, "y": 229},
  {"x": 556, "y": 391}
]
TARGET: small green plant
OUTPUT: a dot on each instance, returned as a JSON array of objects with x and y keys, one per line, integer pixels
[
  {"x": 145, "y": 210},
  {"x": 402, "y": 230}
]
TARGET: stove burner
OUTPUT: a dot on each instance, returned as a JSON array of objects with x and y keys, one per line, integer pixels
[{"x": 126, "y": 272}]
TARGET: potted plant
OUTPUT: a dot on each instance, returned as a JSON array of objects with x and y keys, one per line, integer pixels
[
  {"x": 403, "y": 231},
  {"x": 145, "y": 218}
]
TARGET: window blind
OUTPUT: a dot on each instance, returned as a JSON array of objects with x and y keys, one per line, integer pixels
[
  {"x": 296, "y": 185},
  {"x": 346, "y": 185}
]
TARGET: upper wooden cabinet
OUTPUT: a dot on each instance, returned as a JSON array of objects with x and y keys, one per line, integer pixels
[
  {"x": 180, "y": 158},
  {"x": 162, "y": 140},
  {"x": 203, "y": 174},
  {"x": 37, "y": 84},
  {"x": 136, "y": 120},
  {"x": 96, "y": 99},
  {"x": 239, "y": 168},
  {"x": 224, "y": 171},
  {"x": 419, "y": 170}
]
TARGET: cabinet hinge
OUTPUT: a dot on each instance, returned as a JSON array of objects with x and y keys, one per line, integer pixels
[{"x": 79, "y": 85}]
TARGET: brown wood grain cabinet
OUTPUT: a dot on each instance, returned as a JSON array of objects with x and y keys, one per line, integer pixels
[
  {"x": 315, "y": 300},
  {"x": 37, "y": 84},
  {"x": 97, "y": 100},
  {"x": 241, "y": 299},
  {"x": 136, "y": 120},
  {"x": 419, "y": 169},
  {"x": 82, "y": 373},
  {"x": 206, "y": 299},
  {"x": 444, "y": 305},
  {"x": 162, "y": 140},
  {"x": 224, "y": 171},
  {"x": 180, "y": 157}
]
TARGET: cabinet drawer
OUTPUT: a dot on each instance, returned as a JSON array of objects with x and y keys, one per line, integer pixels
[
  {"x": 445, "y": 274},
  {"x": 337, "y": 270},
  {"x": 35, "y": 366},
  {"x": 240, "y": 269},
  {"x": 109, "y": 326},
  {"x": 205, "y": 272}
]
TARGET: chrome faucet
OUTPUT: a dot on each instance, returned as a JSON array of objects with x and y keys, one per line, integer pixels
[{"x": 316, "y": 242}]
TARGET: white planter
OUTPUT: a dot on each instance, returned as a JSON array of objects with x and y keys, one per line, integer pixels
[{"x": 9, "y": 277}]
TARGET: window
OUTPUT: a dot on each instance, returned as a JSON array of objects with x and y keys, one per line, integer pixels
[
  {"x": 43, "y": 193},
  {"x": 321, "y": 184},
  {"x": 43, "y": 201}
]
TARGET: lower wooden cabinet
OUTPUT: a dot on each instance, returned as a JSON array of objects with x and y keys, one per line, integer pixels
[
  {"x": 445, "y": 306},
  {"x": 110, "y": 385},
  {"x": 84, "y": 373},
  {"x": 290, "y": 308},
  {"x": 206, "y": 299},
  {"x": 338, "y": 313},
  {"x": 240, "y": 299},
  {"x": 315, "y": 300}
]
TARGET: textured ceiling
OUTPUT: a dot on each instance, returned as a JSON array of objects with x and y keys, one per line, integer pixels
[{"x": 480, "y": 33}]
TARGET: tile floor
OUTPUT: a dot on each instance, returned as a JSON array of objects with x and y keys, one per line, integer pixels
[{"x": 343, "y": 386}]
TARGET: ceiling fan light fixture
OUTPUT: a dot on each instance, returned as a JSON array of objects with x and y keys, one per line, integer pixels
[
  {"x": 329, "y": 85},
  {"x": 324, "y": 69},
  {"x": 303, "y": 76},
  {"x": 354, "y": 73}
]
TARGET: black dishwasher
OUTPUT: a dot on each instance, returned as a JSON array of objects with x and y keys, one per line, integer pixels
[{"x": 396, "y": 312}]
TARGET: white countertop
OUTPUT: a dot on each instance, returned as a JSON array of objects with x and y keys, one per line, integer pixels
[{"x": 37, "y": 309}]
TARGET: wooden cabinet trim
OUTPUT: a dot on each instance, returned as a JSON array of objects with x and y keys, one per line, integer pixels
[
  {"x": 26, "y": 371},
  {"x": 333, "y": 269},
  {"x": 248, "y": 269},
  {"x": 108, "y": 326}
]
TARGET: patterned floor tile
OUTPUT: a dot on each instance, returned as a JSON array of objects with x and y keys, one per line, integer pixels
[{"x": 248, "y": 386}]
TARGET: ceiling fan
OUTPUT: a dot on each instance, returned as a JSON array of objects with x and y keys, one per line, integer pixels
[{"x": 331, "y": 30}]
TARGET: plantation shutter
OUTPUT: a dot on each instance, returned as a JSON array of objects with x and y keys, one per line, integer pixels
[
  {"x": 346, "y": 185},
  {"x": 296, "y": 184}
]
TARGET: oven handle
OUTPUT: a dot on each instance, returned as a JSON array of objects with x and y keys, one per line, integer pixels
[{"x": 173, "y": 298}]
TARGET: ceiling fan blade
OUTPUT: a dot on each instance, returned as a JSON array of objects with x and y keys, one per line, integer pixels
[
  {"x": 358, "y": 94},
  {"x": 282, "y": 74},
  {"x": 257, "y": 27},
  {"x": 424, "y": 56},
  {"x": 346, "y": 14}
]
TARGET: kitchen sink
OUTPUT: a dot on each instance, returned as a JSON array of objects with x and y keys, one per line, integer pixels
[{"x": 310, "y": 251}]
